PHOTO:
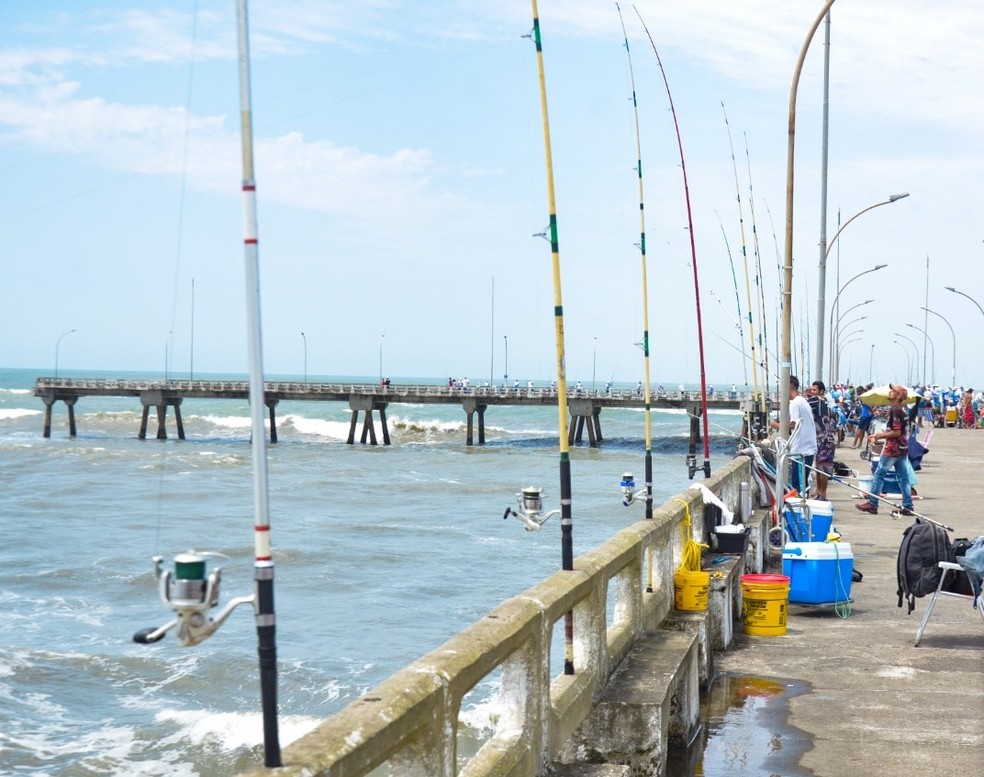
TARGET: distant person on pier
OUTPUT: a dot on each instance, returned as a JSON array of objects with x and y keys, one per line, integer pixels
[
  {"x": 825, "y": 420},
  {"x": 894, "y": 454},
  {"x": 802, "y": 437}
]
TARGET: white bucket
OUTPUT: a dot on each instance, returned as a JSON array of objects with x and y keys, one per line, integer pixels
[{"x": 864, "y": 483}]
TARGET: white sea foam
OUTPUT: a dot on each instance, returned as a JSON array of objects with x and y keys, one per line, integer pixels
[
  {"x": 333, "y": 430},
  {"x": 230, "y": 730},
  {"x": 17, "y": 412}
]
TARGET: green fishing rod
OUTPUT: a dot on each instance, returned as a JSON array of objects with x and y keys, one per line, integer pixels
[
  {"x": 691, "y": 459},
  {"x": 645, "y": 287},
  {"x": 566, "y": 519},
  {"x": 744, "y": 254}
]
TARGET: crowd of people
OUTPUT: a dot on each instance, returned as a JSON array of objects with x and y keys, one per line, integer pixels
[{"x": 819, "y": 422}]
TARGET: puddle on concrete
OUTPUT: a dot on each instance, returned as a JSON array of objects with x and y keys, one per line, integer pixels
[{"x": 745, "y": 731}]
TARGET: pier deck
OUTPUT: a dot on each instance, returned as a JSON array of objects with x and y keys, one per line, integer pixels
[{"x": 368, "y": 398}]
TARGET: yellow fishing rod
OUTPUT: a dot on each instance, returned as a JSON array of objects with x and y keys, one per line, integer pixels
[
  {"x": 566, "y": 520},
  {"x": 645, "y": 286}
]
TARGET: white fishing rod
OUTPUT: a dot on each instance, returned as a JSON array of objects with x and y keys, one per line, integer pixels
[{"x": 190, "y": 590}]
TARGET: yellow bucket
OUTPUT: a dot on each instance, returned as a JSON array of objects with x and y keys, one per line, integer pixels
[
  {"x": 765, "y": 602},
  {"x": 690, "y": 589}
]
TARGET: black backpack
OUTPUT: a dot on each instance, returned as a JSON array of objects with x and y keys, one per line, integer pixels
[{"x": 924, "y": 545}]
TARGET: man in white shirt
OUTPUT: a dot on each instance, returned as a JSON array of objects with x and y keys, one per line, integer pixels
[{"x": 802, "y": 438}]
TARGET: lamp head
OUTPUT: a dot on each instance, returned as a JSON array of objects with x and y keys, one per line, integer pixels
[
  {"x": 880, "y": 266},
  {"x": 949, "y": 288},
  {"x": 895, "y": 197}
]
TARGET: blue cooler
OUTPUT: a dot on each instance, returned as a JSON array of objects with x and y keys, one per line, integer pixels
[
  {"x": 808, "y": 520},
  {"x": 819, "y": 572}
]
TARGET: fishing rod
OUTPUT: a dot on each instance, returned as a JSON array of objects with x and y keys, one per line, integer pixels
[
  {"x": 691, "y": 458},
  {"x": 744, "y": 254},
  {"x": 645, "y": 289},
  {"x": 191, "y": 591},
  {"x": 566, "y": 519},
  {"x": 763, "y": 332},
  {"x": 734, "y": 283},
  {"x": 898, "y": 507},
  {"x": 266, "y": 622}
]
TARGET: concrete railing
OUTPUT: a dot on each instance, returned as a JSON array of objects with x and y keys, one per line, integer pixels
[{"x": 408, "y": 725}]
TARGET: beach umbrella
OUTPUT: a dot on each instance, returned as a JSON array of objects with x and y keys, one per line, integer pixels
[{"x": 878, "y": 396}]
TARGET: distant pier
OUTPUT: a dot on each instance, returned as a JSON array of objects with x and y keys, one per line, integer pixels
[{"x": 371, "y": 401}]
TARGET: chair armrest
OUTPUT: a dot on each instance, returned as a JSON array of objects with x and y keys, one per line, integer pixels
[{"x": 949, "y": 565}]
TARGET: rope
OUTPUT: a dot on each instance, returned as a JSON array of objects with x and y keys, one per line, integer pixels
[
  {"x": 841, "y": 608},
  {"x": 690, "y": 561}
]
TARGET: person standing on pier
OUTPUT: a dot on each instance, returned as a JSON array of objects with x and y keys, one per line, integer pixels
[
  {"x": 894, "y": 455},
  {"x": 802, "y": 437},
  {"x": 825, "y": 420}
]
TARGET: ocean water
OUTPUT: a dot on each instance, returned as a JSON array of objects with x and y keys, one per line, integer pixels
[{"x": 382, "y": 553}]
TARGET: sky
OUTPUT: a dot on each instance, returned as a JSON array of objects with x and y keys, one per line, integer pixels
[{"x": 402, "y": 186}]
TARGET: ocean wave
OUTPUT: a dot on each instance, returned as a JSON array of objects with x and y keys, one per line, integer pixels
[
  {"x": 17, "y": 412},
  {"x": 230, "y": 730}
]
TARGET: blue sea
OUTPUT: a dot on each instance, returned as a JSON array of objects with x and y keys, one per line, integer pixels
[{"x": 382, "y": 553}]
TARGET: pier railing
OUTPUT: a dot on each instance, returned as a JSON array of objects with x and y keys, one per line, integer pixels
[{"x": 408, "y": 725}]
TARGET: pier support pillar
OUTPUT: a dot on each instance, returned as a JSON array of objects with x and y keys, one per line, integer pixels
[
  {"x": 471, "y": 406},
  {"x": 49, "y": 398},
  {"x": 584, "y": 412},
  {"x": 156, "y": 399},
  {"x": 271, "y": 406},
  {"x": 367, "y": 404}
]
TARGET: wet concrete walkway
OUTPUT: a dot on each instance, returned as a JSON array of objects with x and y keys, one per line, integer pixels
[{"x": 875, "y": 704}]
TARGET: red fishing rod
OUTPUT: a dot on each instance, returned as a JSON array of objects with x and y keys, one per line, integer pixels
[{"x": 691, "y": 458}]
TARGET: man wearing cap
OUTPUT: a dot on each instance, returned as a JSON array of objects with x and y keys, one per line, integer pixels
[{"x": 893, "y": 455}]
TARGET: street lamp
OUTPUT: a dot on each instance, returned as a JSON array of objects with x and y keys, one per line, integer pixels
[
  {"x": 835, "y": 332},
  {"x": 57, "y": 344},
  {"x": 381, "y": 338},
  {"x": 871, "y": 359},
  {"x": 167, "y": 344},
  {"x": 833, "y": 305},
  {"x": 908, "y": 361},
  {"x": 505, "y": 369},
  {"x": 304, "y": 338},
  {"x": 786, "y": 328},
  {"x": 953, "y": 375},
  {"x": 914, "y": 346},
  {"x": 594, "y": 363},
  {"x": 955, "y": 291},
  {"x": 823, "y": 278},
  {"x": 932, "y": 349},
  {"x": 785, "y": 336}
]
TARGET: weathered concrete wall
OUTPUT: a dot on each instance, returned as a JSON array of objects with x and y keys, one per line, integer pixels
[{"x": 408, "y": 724}]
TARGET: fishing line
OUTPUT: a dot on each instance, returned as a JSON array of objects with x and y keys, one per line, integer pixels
[{"x": 691, "y": 463}]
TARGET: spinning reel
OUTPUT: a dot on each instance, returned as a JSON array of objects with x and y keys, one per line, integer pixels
[
  {"x": 629, "y": 495},
  {"x": 191, "y": 593},
  {"x": 530, "y": 504}
]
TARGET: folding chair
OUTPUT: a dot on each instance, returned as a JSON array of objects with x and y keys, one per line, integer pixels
[{"x": 947, "y": 567}]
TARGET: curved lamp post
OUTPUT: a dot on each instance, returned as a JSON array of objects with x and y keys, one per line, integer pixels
[
  {"x": 932, "y": 350},
  {"x": 915, "y": 346},
  {"x": 833, "y": 305},
  {"x": 953, "y": 374},
  {"x": 381, "y": 338},
  {"x": 821, "y": 303},
  {"x": 304, "y": 338},
  {"x": 955, "y": 291},
  {"x": 835, "y": 336},
  {"x": 908, "y": 362},
  {"x": 785, "y": 335},
  {"x": 58, "y": 344},
  {"x": 855, "y": 338}
]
